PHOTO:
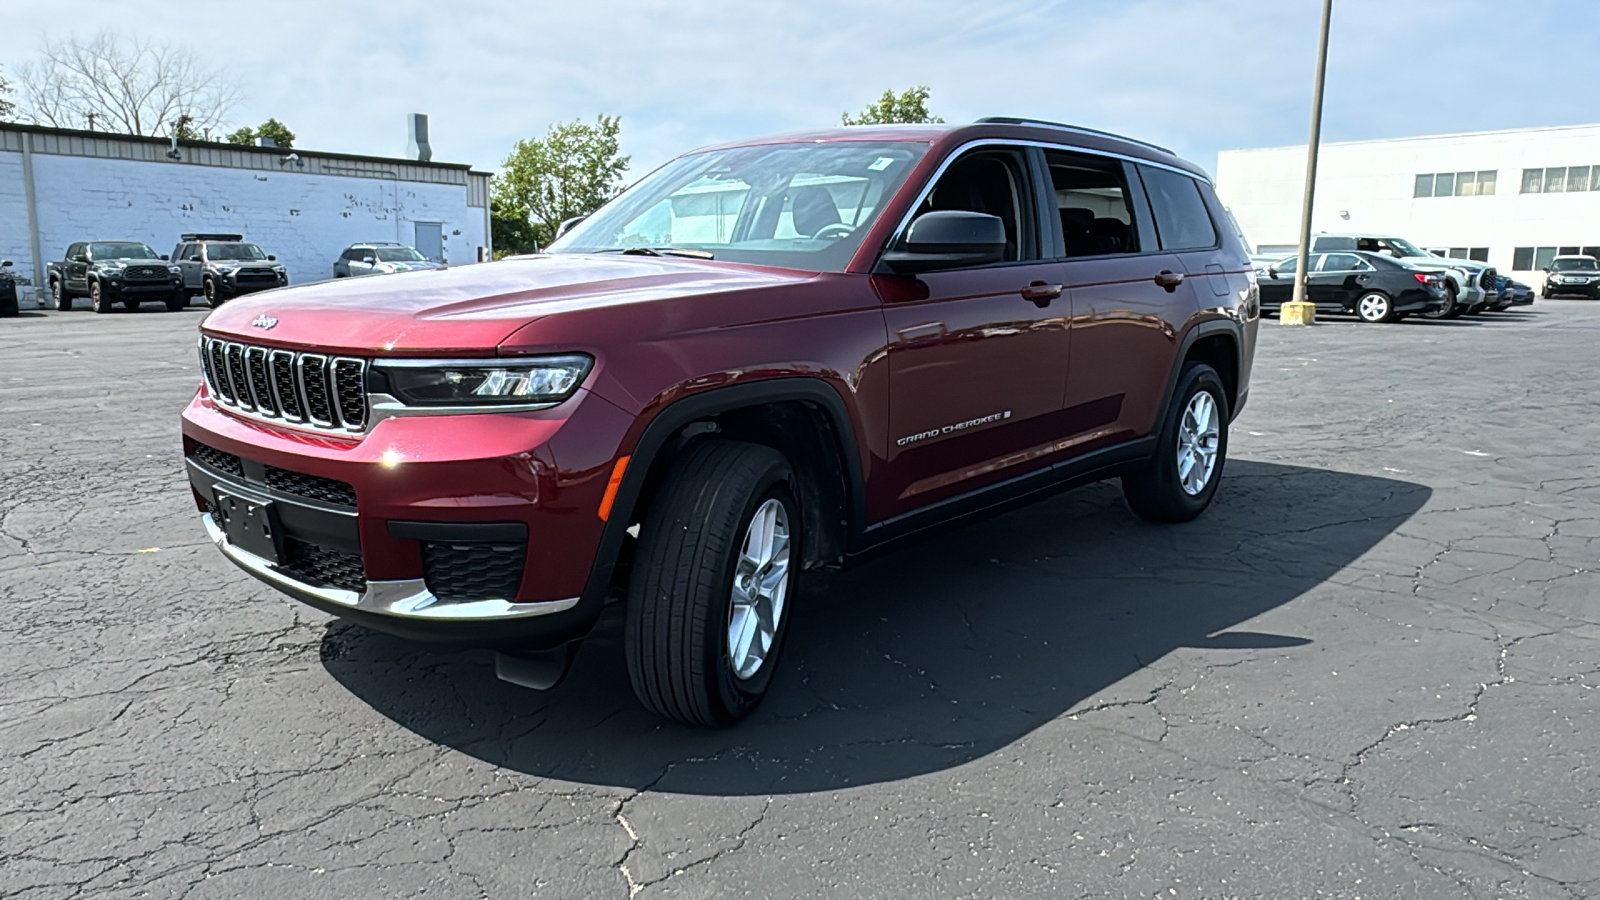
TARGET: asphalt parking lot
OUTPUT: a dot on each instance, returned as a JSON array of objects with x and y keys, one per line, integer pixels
[{"x": 1369, "y": 671}]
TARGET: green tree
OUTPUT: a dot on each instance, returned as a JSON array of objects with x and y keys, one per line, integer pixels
[
  {"x": 570, "y": 171},
  {"x": 510, "y": 228},
  {"x": 271, "y": 128},
  {"x": 910, "y": 107}
]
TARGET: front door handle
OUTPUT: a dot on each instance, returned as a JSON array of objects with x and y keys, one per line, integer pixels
[
  {"x": 1041, "y": 294},
  {"x": 1169, "y": 280}
]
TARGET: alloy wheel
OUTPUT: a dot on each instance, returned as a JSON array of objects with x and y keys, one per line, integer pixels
[
  {"x": 760, "y": 589},
  {"x": 1373, "y": 307},
  {"x": 1198, "y": 439}
]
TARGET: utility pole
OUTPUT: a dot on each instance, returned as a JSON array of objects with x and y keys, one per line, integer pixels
[{"x": 1298, "y": 311}]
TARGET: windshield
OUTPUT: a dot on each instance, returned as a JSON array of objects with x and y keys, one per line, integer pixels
[
  {"x": 1574, "y": 264},
  {"x": 234, "y": 251},
  {"x": 121, "y": 250},
  {"x": 803, "y": 206},
  {"x": 1405, "y": 248},
  {"x": 399, "y": 254}
]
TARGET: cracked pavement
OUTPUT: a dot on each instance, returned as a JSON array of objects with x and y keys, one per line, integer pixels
[{"x": 1368, "y": 671}]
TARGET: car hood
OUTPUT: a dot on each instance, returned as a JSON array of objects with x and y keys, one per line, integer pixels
[
  {"x": 470, "y": 310},
  {"x": 1443, "y": 262}
]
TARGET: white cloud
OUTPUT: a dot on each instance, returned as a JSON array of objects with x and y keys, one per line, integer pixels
[{"x": 1196, "y": 76}]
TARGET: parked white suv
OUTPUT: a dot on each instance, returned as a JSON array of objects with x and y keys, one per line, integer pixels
[{"x": 380, "y": 258}]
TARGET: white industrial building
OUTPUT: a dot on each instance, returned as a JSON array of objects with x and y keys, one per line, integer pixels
[
  {"x": 58, "y": 186},
  {"x": 1514, "y": 199}
]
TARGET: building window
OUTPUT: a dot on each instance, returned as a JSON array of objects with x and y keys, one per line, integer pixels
[
  {"x": 1577, "y": 179},
  {"x": 1592, "y": 251},
  {"x": 1481, "y": 254},
  {"x": 1543, "y": 256},
  {"x": 1555, "y": 180},
  {"x": 1456, "y": 184},
  {"x": 1532, "y": 181},
  {"x": 1569, "y": 251},
  {"x": 1458, "y": 252},
  {"x": 1522, "y": 259}
]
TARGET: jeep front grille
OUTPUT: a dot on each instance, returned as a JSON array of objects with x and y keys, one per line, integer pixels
[{"x": 308, "y": 390}]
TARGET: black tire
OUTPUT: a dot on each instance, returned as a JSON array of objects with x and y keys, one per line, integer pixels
[
  {"x": 212, "y": 294},
  {"x": 98, "y": 299},
  {"x": 1155, "y": 492},
  {"x": 178, "y": 302},
  {"x": 58, "y": 291},
  {"x": 679, "y": 597},
  {"x": 1383, "y": 314},
  {"x": 1451, "y": 310}
]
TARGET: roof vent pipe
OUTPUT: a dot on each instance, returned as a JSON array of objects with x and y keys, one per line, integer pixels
[{"x": 417, "y": 146}]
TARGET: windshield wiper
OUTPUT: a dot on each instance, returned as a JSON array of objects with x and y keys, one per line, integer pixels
[{"x": 663, "y": 251}]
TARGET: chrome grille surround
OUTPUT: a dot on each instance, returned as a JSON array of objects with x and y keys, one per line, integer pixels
[{"x": 306, "y": 390}]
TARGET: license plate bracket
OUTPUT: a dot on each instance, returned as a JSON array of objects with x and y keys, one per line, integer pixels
[{"x": 251, "y": 524}]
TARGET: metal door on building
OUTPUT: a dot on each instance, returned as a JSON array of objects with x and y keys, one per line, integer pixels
[{"x": 430, "y": 240}]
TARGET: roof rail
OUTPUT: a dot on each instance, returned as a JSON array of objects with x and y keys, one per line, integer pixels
[{"x": 1013, "y": 120}]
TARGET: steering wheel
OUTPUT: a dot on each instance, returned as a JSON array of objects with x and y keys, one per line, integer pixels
[{"x": 837, "y": 229}]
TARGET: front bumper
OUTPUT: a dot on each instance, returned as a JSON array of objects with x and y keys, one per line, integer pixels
[
  {"x": 1553, "y": 288},
  {"x": 138, "y": 290},
  {"x": 417, "y": 488},
  {"x": 232, "y": 286}
]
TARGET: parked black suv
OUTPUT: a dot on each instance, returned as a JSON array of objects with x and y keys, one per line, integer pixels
[
  {"x": 224, "y": 266},
  {"x": 8, "y": 290}
]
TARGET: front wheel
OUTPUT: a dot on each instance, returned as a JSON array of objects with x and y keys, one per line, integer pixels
[
  {"x": 98, "y": 299},
  {"x": 713, "y": 583},
  {"x": 1178, "y": 482},
  {"x": 58, "y": 292},
  {"x": 1375, "y": 307},
  {"x": 178, "y": 301},
  {"x": 213, "y": 295}
]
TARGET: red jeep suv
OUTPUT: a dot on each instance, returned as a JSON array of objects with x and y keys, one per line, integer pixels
[{"x": 762, "y": 359}]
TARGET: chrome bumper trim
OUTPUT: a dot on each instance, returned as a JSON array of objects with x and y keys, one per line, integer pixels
[{"x": 406, "y": 599}]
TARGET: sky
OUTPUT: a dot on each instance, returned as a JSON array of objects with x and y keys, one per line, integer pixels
[{"x": 1198, "y": 76}]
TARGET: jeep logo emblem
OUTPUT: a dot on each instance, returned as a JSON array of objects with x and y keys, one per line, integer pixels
[{"x": 265, "y": 322}]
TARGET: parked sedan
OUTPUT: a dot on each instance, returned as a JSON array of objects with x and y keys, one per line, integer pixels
[
  {"x": 1578, "y": 275},
  {"x": 1373, "y": 286},
  {"x": 1518, "y": 293},
  {"x": 380, "y": 258}
]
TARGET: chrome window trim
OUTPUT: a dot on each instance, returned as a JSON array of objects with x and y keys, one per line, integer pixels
[{"x": 933, "y": 180}]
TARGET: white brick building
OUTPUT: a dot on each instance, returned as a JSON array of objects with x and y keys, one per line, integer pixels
[
  {"x": 1514, "y": 199},
  {"x": 58, "y": 186}
]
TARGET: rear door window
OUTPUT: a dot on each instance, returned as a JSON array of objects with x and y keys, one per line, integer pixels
[
  {"x": 1345, "y": 262},
  {"x": 1093, "y": 204},
  {"x": 1182, "y": 221}
]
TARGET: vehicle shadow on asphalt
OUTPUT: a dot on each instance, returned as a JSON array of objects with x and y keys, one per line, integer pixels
[{"x": 927, "y": 658}]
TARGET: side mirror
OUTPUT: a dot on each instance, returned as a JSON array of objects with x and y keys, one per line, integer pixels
[
  {"x": 4, "y": 263},
  {"x": 271, "y": 258},
  {"x": 947, "y": 239},
  {"x": 163, "y": 257},
  {"x": 1272, "y": 271},
  {"x": 369, "y": 259},
  {"x": 567, "y": 224},
  {"x": 80, "y": 258}
]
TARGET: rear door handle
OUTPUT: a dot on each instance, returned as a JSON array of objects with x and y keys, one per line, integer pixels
[
  {"x": 1041, "y": 293},
  {"x": 1169, "y": 280}
]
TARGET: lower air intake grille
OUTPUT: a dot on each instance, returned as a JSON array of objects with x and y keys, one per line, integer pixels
[
  {"x": 461, "y": 571},
  {"x": 315, "y": 487},
  {"x": 216, "y": 459},
  {"x": 320, "y": 566}
]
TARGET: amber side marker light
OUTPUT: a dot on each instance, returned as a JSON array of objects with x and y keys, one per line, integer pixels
[{"x": 611, "y": 488}]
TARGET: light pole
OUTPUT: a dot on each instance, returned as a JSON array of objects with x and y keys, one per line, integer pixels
[{"x": 1298, "y": 311}]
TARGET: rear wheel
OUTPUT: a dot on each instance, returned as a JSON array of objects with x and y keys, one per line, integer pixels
[
  {"x": 713, "y": 583},
  {"x": 1180, "y": 479},
  {"x": 1449, "y": 310},
  {"x": 98, "y": 299},
  {"x": 1375, "y": 307}
]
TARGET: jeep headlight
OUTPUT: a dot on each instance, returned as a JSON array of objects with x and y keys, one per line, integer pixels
[{"x": 488, "y": 383}]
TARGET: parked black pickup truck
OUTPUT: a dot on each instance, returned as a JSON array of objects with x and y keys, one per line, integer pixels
[
  {"x": 111, "y": 271},
  {"x": 8, "y": 290}
]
